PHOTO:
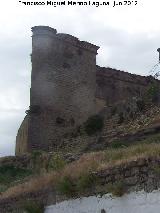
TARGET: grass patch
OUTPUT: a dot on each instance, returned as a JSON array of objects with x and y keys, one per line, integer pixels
[
  {"x": 66, "y": 187},
  {"x": 3, "y": 188},
  {"x": 72, "y": 187},
  {"x": 114, "y": 156},
  {"x": 56, "y": 163},
  {"x": 9, "y": 173},
  {"x": 124, "y": 144},
  {"x": 33, "y": 207},
  {"x": 73, "y": 178},
  {"x": 86, "y": 182},
  {"x": 117, "y": 189},
  {"x": 153, "y": 93},
  {"x": 152, "y": 139},
  {"x": 118, "y": 144},
  {"x": 36, "y": 155}
]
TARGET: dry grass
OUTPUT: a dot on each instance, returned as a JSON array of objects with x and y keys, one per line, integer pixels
[{"x": 91, "y": 162}]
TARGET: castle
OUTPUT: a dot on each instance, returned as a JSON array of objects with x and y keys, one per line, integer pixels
[{"x": 67, "y": 87}]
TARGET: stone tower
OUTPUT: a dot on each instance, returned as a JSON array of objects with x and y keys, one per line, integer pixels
[{"x": 63, "y": 84}]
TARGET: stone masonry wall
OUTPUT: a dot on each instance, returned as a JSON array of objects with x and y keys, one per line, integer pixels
[
  {"x": 115, "y": 86},
  {"x": 63, "y": 84},
  {"x": 67, "y": 88}
]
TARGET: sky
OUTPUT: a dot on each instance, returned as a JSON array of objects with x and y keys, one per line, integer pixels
[{"x": 128, "y": 37}]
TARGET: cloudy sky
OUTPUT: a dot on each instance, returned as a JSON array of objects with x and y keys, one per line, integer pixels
[{"x": 128, "y": 37}]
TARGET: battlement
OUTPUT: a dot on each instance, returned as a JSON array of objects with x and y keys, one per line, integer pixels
[
  {"x": 43, "y": 30},
  {"x": 51, "y": 32},
  {"x": 119, "y": 75}
]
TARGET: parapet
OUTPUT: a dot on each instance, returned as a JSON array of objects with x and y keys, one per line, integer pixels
[
  {"x": 48, "y": 31},
  {"x": 43, "y": 30}
]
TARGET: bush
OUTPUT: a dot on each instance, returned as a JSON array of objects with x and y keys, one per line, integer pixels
[
  {"x": 70, "y": 187},
  {"x": 32, "y": 207},
  {"x": 3, "y": 188},
  {"x": 153, "y": 93},
  {"x": 10, "y": 173},
  {"x": 117, "y": 189},
  {"x": 56, "y": 162},
  {"x": 37, "y": 160},
  {"x": 93, "y": 124},
  {"x": 66, "y": 187},
  {"x": 36, "y": 154},
  {"x": 85, "y": 181}
]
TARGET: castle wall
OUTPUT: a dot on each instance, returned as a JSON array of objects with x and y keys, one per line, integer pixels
[
  {"x": 63, "y": 86},
  {"x": 67, "y": 87},
  {"x": 115, "y": 86}
]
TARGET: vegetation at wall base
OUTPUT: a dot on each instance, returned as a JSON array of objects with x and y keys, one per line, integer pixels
[
  {"x": 33, "y": 207},
  {"x": 66, "y": 186},
  {"x": 94, "y": 124},
  {"x": 117, "y": 189},
  {"x": 56, "y": 162},
  {"x": 76, "y": 176},
  {"x": 10, "y": 173},
  {"x": 153, "y": 93},
  {"x": 85, "y": 182},
  {"x": 74, "y": 187}
]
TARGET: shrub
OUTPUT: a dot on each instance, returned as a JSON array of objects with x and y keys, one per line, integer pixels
[
  {"x": 117, "y": 189},
  {"x": 32, "y": 207},
  {"x": 10, "y": 173},
  {"x": 93, "y": 124},
  {"x": 36, "y": 155},
  {"x": 37, "y": 160},
  {"x": 66, "y": 186},
  {"x": 153, "y": 93},
  {"x": 85, "y": 181},
  {"x": 71, "y": 187},
  {"x": 3, "y": 188},
  {"x": 118, "y": 144},
  {"x": 56, "y": 162}
]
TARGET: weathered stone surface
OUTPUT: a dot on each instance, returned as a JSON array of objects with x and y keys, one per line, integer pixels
[
  {"x": 63, "y": 85},
  {"x": 67, "y": 87},
  {"x": 115, "y": 86},
  {"x": 22, "y": 137}
]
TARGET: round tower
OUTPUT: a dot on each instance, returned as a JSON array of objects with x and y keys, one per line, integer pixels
[{"x": 63, "y": 84}]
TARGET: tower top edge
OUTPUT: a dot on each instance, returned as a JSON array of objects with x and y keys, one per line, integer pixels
[{"x": 49, "y": 31}]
